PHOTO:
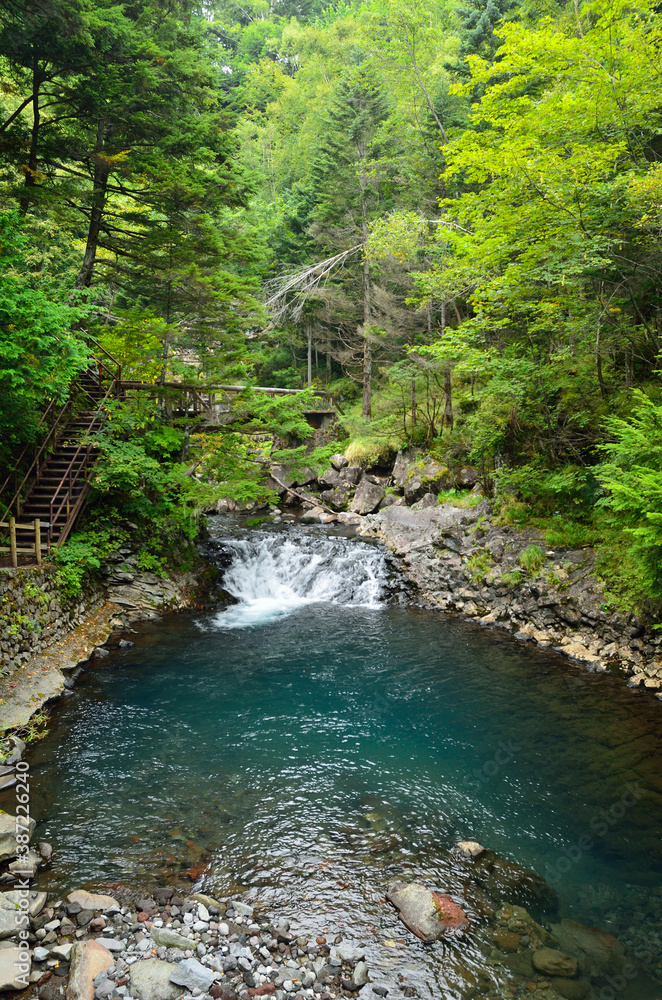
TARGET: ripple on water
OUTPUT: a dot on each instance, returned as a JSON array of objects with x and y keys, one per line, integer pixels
[{"x": 340, "y": 746}]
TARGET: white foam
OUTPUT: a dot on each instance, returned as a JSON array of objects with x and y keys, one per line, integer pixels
[{"x": 274, "y": 573}]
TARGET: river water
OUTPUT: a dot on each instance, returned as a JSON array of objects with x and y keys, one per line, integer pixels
[{"x": 313, "y": 742}]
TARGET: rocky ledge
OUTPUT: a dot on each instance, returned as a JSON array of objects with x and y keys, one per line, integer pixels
[{"x": 464, "y": 564}]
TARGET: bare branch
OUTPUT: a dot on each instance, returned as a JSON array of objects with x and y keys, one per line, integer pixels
[{"x": 290, "y": 292}]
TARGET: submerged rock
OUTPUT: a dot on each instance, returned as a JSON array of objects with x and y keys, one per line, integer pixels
[
  {"x": 554, "y": 963},
  {"x": 598, "y": 952},
  {"x": 508, "y": 882},
  {"x": 429, "y": 915},
  {"x": 468, "y": 848}
]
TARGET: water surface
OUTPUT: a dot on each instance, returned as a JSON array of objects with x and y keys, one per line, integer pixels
[{"x": 311, "y": 744}]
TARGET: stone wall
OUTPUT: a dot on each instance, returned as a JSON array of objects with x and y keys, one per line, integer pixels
[
  {"x": 464, "y": 564},
  {"x": 34, "y": 613}
]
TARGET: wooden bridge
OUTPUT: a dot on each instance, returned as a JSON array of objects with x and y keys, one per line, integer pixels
[{"x": 49, "y": 495}]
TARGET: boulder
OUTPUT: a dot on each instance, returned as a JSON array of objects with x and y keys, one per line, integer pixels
[
  {"x": 193, "y": 975},
  {"x": 554, "y": 963},
  {"x": 92, "y": 900},
  {"x": 427, "y": 500},
  {"x": 388, "y": 501},
  {"x": 429, "y": 915},
  {"x": 313, "y": 516},
  {"x": 150, "y": 980},
  {"x": 338, "y": 462},
  {"x": 404, "y": 461},
  {"x": 508, "y": 882},
  {"x": 163, "y": 937},
  {"x": 597, "y": 952},
  {"x": 88, "y": 959},
  {"x": 415, "y": 489},
  {"x": 15, "y": 964},
  {"x": 467, "y": 477},
  {"x": 351, "y": 474},
  {"x": 285, "y": 475},
  {"x": 360, "y": 974},
  {"x": 10, "y": 909},
  {"x": 367, "y": 498},
  {"x": 26, "y": 865},
  {"x": 8, "y": 835},
  {"x": 468, "y": 848},
  {"x": 330, "y": 478},
  {"x": 338, "y": 497}
]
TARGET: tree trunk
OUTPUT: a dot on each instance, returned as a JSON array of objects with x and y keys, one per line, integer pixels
[
  {"x": 101, "y": 172},
  {"x": 367, "y": 349},
  {"x": 448, "y": 393},
  {"x": 598, "y": 364},
  {"x": 310, "y": 352},
  {"x": 31, "y": 170}
]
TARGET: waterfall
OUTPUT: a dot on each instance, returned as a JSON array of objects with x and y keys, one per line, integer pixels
[{"x": 272, "y": 573}]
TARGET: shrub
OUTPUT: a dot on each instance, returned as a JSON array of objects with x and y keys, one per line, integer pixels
[{"x": 532, "y": 559}]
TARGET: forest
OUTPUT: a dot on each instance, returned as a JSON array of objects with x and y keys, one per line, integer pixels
[{"x": 445, "y": 213}]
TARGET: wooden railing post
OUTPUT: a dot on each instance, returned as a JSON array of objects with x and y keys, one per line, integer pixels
[
  {"x": 37, "y": 540},
  {"x": 12, "y": 542}
]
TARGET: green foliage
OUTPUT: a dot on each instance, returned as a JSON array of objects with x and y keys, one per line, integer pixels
[
  {"x": 563, "y": 533},
  {"x": 39, "y": 356},
  {"x": 632, "y": 475},
  {"x": 532, "y": 559},
  {"x": 479, "y": 565}
]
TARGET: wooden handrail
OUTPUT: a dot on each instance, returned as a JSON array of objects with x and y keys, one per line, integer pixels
[
  {"x": 73, "y": 480},
  {"x": 14, "y": 549}
]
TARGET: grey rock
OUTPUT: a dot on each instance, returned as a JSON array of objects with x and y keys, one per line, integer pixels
[
  {"x": 45, "y": 850},
  {"x": 428, "y": 915},
  {"x": 191, "y": 974},
  {"x": 40, "y": 954},
  {"x": 26, "y": 865},
  {"x": 15, "y": 965},
  {"x": 338, "y": 497},
  {"x": 338, "y": 462},
  {"x": 367, "y": 498},
  {"x": 169, "y": 939},
  {"x": 360, "y": 974},
  {"x": 8, "y": 835},
  {"x": 330, "y": 478},
  {"x": 243, "y": 909},
  {"x": 112, "y": 944},
  {"x": 150, "y": 980},
  {"x": 403, "y": 461},
  {"x": 349, "y": 952},
  {"x": 351, "y": 474}
]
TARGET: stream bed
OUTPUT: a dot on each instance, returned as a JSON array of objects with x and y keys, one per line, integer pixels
[{"x": 313, "y": 742}]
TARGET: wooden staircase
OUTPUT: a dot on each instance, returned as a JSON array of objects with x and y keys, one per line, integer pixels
[{"x": 54, "y": 488}]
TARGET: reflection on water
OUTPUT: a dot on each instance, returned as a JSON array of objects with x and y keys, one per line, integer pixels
[{"x": 315, "y": 759}]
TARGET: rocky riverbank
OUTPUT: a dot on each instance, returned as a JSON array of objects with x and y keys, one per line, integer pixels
[
  {"x": 462, "y": 561},
  {"x": 123, "y": 596},
  {"x": 465, "y": 564},
  {"x": 170, "y": 945}
]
